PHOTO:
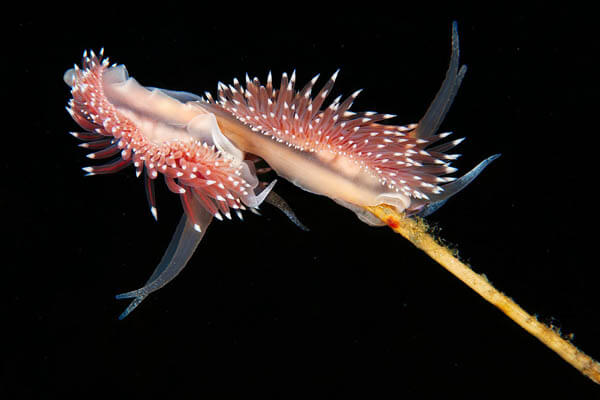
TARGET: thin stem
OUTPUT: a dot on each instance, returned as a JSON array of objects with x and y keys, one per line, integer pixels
[{"x": 415, "y": 230}]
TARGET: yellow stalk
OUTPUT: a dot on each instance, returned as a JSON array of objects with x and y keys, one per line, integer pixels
[{"x": 416, "y": 231}]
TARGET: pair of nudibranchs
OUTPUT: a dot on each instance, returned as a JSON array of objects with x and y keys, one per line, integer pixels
[{"x": 206, "y": 149}]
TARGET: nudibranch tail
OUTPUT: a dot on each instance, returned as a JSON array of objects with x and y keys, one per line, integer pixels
[
  {"x": 160, "y": 134},
  {"x": 355, "y": 158}
]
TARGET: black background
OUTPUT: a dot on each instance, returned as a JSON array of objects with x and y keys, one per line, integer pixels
[{"x": 264, "y": 309}]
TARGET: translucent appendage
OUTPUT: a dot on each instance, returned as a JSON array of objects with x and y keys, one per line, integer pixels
[
  {"x": 276, "y": 200},
  {"x": 180, "y": 250},
  {"x": 450, "y": 189},
  {"x": 429, "y": 124}
]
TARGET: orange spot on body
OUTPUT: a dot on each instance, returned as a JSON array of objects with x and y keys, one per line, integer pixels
[{"x": 392, "y": 222}]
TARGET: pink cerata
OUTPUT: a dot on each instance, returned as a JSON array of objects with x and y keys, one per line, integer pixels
[{"x": 205, "y": 149}]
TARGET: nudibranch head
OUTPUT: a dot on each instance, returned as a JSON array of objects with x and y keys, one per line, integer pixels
[{"x": 159, "y": 135}]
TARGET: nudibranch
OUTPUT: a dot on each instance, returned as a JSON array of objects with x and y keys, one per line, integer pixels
[
  {"x": 203, "y": 148},
  {"x": 352, "y": 158},
  {"x": 158, "y": 134}
]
